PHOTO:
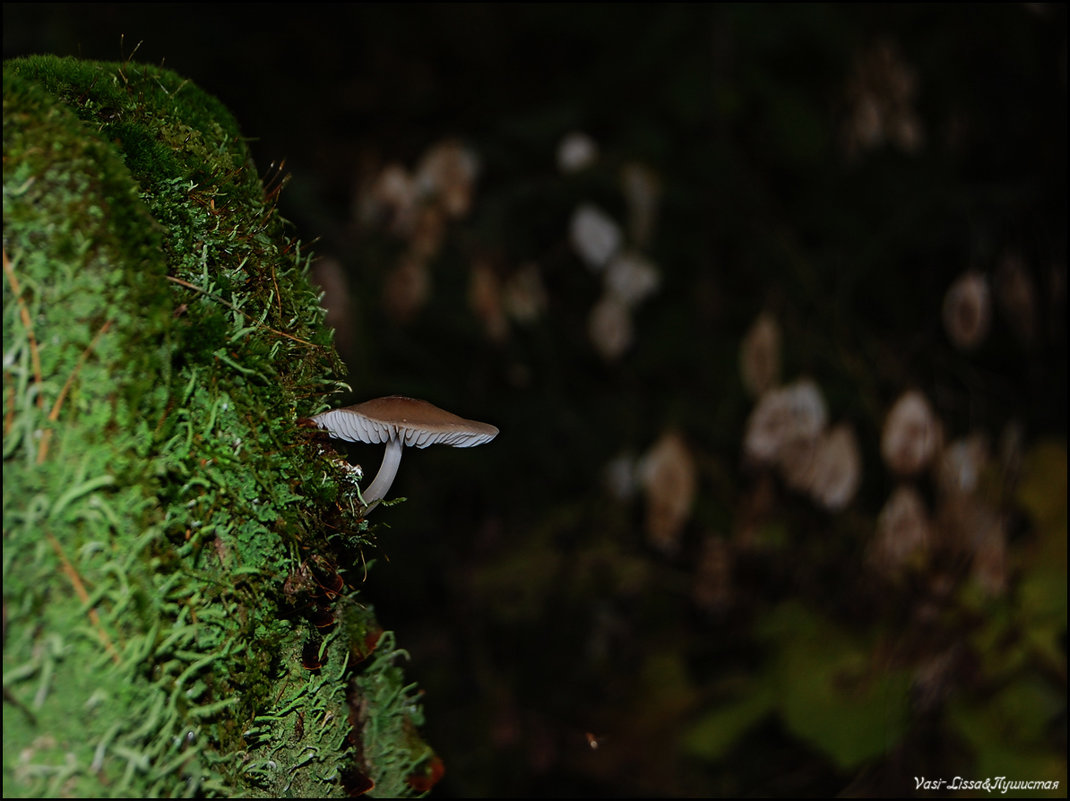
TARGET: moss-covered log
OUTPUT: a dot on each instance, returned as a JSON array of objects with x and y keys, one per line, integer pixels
[{"x": 180, "y": 563}]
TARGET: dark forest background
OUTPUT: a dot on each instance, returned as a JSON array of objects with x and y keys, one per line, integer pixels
[{"x": 689, "y": 259}]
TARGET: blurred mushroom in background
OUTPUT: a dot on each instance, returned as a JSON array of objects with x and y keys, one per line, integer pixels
[
  {"x": 785, "y": 417},
  {"x": 836, "y": 471},
  {"x": 912, "y": 434},
  {"x": 959, "y": 467},
  {"x": 619, "y": 476},
  {"x": 594, "y": 235},
  {"x": 610, "y": 328},
  {"x": 407, "y": 288},
  {"x": 577, "y": 151},
  {"x": 631, "y": 278},
  {"x": 485, "y": 299},
  {"x": 967, "y": 310},
  {"x": 447, "y": 174},
  {"x": 904, "y": 532},
  {"x": 668, "y": 477},
  {"x": 641, "y": 187},
  {"x": 524, "y": 294},
  {"x": 388, "y": 200},
  {"x": 881, "y": 95},
  {"x": 1017, "y": 297},
  {"x": 759, "y": 355}
]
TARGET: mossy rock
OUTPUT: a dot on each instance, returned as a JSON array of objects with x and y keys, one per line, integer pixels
[{"x": 180, "y": 562}]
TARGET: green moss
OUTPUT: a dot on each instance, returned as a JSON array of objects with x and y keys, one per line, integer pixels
[{"x": 161, "y": 511}]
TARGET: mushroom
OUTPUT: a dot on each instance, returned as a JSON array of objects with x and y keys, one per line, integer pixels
[{"x": 399, "y": 421}]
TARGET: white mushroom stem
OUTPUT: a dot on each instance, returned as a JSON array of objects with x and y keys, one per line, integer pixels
[{"x": 378, "y": 489}]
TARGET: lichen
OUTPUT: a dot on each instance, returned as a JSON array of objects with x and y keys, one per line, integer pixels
[{"x": 181, "y": 565}]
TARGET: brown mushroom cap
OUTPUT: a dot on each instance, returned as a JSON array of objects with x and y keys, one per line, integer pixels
[{"x": 414, "y": 422}]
